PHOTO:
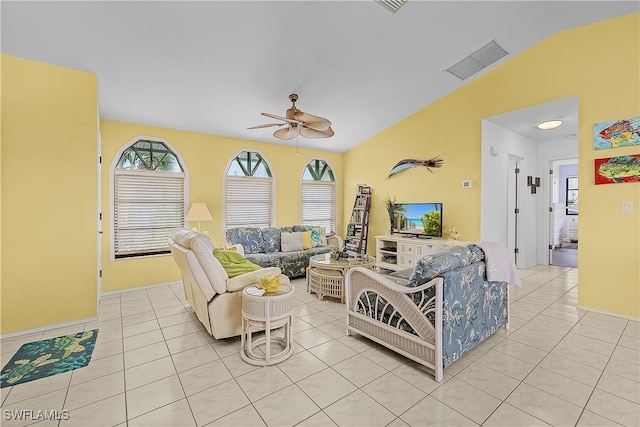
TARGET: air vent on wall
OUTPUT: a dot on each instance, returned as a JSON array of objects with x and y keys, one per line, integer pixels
[
  {"x": 392, "y": 5},
  {"x": 481, "y": 58}
]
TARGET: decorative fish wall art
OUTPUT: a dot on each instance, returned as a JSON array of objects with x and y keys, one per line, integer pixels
[
  {"x": 616, "y": 170},
  {"x": 616, "y": 133},
  {"x": 405, "y": 164}
]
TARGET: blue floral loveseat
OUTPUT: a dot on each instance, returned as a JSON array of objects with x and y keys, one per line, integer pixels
[
  {"x": 432, "y": 314},
  {"x": 268, "y": 247}
]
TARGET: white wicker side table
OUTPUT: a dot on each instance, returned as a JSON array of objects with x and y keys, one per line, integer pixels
[
  {"x": 266, "y": 311},
  {"x": 325, "y": 275}
]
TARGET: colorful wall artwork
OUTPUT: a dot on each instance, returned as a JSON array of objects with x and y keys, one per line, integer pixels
[
  {"x": 617, "y": 133},
  {"x": 616, "y": 170}
]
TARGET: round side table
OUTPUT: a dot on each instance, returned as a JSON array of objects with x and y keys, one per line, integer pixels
[
  {"x": 266, "y": 311},
  {"x": 325, "y": 275}
]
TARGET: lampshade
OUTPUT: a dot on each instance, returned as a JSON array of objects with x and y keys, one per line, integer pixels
[{"x": 199, "y": 212}]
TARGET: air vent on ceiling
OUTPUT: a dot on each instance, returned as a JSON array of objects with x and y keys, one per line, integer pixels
[
  {"x": 481, "y": 58},
  {"x": 392, "y": 5}
]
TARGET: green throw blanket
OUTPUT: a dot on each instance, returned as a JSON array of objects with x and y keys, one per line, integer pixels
[{"x": 234, "y": 263}]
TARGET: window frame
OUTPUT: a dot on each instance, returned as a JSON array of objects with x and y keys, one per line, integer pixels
[
  {"x": 112, "y": 195},
  {"x": 247, "y": 178},
  {"x": 320, "y": 182},
  {"x": 571, "y": 190}
]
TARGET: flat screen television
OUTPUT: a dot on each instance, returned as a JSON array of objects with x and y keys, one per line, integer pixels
[{"x": 418, "y": 219}]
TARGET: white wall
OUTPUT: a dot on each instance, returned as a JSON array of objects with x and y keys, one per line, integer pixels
[
  {"x": 493, "y": 188},
  {"x": 495, "y": 175}
]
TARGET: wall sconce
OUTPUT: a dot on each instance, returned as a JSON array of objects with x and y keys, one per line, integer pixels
[
  {"x": 533, "y": 183},
  {"x": 199, "y": 212}
]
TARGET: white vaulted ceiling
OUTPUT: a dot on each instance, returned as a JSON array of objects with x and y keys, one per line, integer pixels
[{"x": 214, "y": 66}]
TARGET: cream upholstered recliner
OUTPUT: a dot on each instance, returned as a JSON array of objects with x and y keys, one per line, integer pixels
[{"x": 216, "y": 298}]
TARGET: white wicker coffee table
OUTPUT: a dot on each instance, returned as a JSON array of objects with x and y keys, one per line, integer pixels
[
  {"x": 325, "y": 275},
  {"x": 266, "y": 311}
]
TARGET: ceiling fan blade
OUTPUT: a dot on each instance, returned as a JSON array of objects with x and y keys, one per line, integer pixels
[
  {"x": 314, "y": 133},
  {"x": 322, "y": 126},
  {"x": 273, "y": 116},
  {"x": 288, "y": 133},
  {"x": 311, "y": 121},
  {"x": 267, "y": 125}
]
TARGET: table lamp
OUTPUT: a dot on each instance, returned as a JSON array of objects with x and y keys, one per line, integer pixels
[{"x": 199, "y": 212}]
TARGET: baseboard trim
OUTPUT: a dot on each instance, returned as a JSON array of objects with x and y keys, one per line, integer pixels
[
  {"x": 141, "y": 288},
  {"x": 47, "y": 328},
  {"x": 609, "y": 313},
  {"x": 81, "y": 321}
]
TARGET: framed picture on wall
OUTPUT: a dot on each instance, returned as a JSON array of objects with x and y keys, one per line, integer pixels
[
  {"x": 617, "y": 133},
  {"x": 617, "y": 170},
  {"x": 572, "y": 195}
]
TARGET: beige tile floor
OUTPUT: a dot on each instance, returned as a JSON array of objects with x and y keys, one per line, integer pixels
[{"x": 154, "y": 365}]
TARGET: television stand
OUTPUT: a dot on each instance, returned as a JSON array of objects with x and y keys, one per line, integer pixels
[
  {"x": 400, "y": 252},
  {"x": 414, "y": 236}
]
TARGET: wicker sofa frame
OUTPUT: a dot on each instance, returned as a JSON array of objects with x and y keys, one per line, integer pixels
[
  {"x": 386, "y": 305},
  {"x": 426, "y": 347}
]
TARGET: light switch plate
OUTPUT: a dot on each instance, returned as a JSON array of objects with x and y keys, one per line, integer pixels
[
  {"x": 467, "y": 184},
  {"x": 626, "y": 207}
]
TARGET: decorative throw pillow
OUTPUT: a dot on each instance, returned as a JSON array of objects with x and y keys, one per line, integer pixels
[
  {"x": 306, "y": 240},
  {"x": 290, "y": 242},
  {"x": 477, "y": 254},
  {"x": 318, "y": 236},
  {"x": 440, "y": 262},
  {"x": 249, "y": 237},
  {"x": 271, "y": 237}
]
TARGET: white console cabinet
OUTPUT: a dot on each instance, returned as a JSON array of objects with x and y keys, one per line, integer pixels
[{"x": 399, "y": 252}]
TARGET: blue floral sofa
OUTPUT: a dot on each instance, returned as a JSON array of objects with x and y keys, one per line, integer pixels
[
  {"x": 263, "y": 246},
  {"x": 433, "y": 313}
]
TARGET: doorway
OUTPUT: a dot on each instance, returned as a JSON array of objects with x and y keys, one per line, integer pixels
[
  {"x": 563, "y": 223},
  {"x": 512, "y": 134}
]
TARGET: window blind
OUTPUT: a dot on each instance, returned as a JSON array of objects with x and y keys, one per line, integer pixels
[
  {"x": 248, "y": 202},
  {"x": 147, "y": 207},
  {"x": 318, "y": 204}
]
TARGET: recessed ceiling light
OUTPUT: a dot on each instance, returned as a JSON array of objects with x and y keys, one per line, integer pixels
[{"x": 549, "y": 124}]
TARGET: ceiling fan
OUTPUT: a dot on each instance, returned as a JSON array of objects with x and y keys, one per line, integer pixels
[{"x": 299, "y": 123}]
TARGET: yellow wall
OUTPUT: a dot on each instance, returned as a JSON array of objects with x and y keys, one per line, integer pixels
[
  {"x": 599, "y": 63},
  {"x": 49, "y": 202},
  {"x": 48, "y": 173},
  {"x": 206, "y": 158}
]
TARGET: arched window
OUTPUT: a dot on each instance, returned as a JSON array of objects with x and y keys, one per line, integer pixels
[
  {"x": 318, "y": 196},
  {"x": 248, "y": 192},
  {"x": 148, "y": 198}
]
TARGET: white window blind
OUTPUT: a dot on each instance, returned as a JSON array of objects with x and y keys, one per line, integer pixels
[
  {"x": 147, "y": 207},
  {"x": 248, "y": 202},
  {"x": 318, "y": 204}
]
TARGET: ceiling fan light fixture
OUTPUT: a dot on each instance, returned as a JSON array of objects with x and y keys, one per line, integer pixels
[
  {"x": 298, "y": 123},
  {"x": 549, "y": 124},
  {"x": 392, "y": 5}
]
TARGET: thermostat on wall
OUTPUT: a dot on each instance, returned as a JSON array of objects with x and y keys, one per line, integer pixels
[{"x": 467, "y": 184}]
